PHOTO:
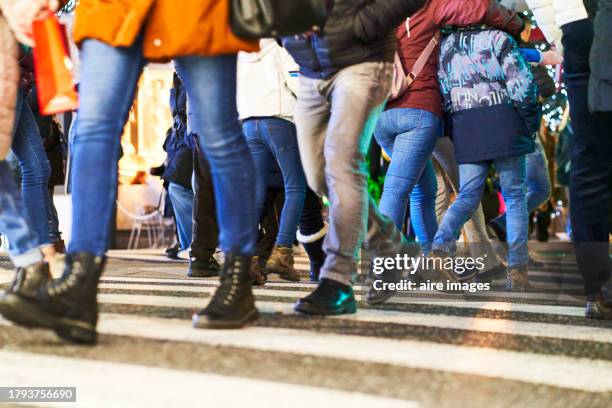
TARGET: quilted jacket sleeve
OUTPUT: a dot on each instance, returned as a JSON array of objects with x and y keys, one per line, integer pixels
[{"x": 377, "y": 18}]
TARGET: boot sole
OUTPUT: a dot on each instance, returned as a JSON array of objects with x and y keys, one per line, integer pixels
[
  {"x": 194, "y": 274},
  {"x": 71, "y": 330},
  {"x": 309, "y": 309},
  {"x": 200, "y": 322},
  {"x": 291, "y": 276},
  {"x": 10, "y": 311}
]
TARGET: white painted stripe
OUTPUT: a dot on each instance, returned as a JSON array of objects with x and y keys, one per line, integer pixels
[
  {"x": 480, "y": 324},
  {"x": 118, "y": 385},
  {"x": 565, "y": 372},
  {"x": 173, "y": 301},
  {"x": 181, "y": 285}
]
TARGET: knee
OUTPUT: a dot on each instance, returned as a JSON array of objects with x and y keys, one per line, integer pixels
[
  {"x": 315, "y": 178},
  {"x": 36, "y": 172}
]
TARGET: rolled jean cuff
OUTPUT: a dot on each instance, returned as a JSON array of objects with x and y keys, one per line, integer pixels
[
  {"x": 343, "y": 278},
  {"x": 31, "y": 257}
]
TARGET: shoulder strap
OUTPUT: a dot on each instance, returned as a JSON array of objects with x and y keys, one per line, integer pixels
[{"x": 422, "y": 60}]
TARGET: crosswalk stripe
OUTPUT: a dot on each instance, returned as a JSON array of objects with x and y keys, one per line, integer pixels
[
  {"x": 118, "y": 385},
  {"x": 565, "y": 372},
  {"x": 479, "y": 324},
  {"x": 283, "y": 290},
  {"x": 551, "y": 330},
  {"x": 537, "y": 286},
  {"x": 174, "y": 301}
]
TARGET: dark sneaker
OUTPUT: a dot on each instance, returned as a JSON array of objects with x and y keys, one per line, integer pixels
[
  {"x": 259, "y": 278},
  {"x": 173, "y": 252},
  {"x": 199, "y": 268},
  {"x": 281, "y": 263},
  {"x": 233, "y": 304},
  {"x": 329, "y": 298},
  {"x": 599, "y": 306},
  {"x": 28, "y": 281},
  {"x": 517, "y": 280},
  {"x": 68, "y": 305}
]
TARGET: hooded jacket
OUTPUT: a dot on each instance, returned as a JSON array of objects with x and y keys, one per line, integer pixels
[{"x": 356, "y": 31}]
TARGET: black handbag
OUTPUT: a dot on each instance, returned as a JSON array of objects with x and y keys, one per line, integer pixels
[{"x": 255, "y": 19}]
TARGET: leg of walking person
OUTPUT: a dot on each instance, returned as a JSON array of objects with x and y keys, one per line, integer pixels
[
  {"x": 263, "y": 160},
  {"x": 182, "y": 203},
  {"x": 312, "y": 233},
  {"x": 35, "y": 169},
  {"x": 422, "y": 208},
  {"x": 25, "y": 252},
  {"x": 589, "y": 173},
  {"x": 55, "y": 235},
  {"x": 108, "y": 81},
  {"x": 333, "y": 149},
  {"x": 202, "y": 263},
  {"x": 538, "y": 184},
  {"x": 472, "y": 177},
  {"x": 410, "y": 152},
  {"x": 280, "y": 137},
  {"x": 475, "y": 229},
  {"x": 211, "y": 89},
  {"x": 513, "y": 178}
]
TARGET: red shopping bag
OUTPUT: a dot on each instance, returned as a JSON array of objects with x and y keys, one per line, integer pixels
[{"x": 53, "y": 67}]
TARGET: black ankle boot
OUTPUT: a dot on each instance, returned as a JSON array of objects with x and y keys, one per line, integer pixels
[
  {"x": 329, "y": 298},
  {"x": 233, "y": 304},
  {"x": 68, "y": 305},
  {"x": 27, "y": 283},
  {"x": 199, "y": 268}
]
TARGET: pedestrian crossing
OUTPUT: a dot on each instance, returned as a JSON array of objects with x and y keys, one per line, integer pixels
[{"x": 425, "y": 349}]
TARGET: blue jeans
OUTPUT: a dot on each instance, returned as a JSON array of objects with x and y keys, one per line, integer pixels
[
  {"x": 108, "y": 80},
  {"x": 182, "y": 203},
  {"x": 512, "y": 173},
  {"x": 35, "y": 169},
  {"x": 274, "y": 139},
  {"x": 14, "y": 222},
  {"x": 538, "y": 182},
  {"x": 409, "y": 137}
]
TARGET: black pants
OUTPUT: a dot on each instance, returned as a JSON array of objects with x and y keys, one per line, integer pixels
[
  {"x": 205, "y": 227},
  {"x": 591, "y": 163}
]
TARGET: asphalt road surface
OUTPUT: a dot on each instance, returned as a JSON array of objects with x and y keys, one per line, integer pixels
[{"x": 429, "y": 349}]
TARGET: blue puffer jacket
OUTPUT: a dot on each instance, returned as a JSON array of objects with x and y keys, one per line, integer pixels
[
  {"x": 356, "y": 31},
  {"x": 490, "y": 95}
]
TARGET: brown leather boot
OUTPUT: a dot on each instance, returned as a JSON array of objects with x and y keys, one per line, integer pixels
[
  {"x": 259, "y": 279},
  {"x": 281, "y": 263}
]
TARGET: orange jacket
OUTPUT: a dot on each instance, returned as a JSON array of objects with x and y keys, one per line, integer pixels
[{"x": 170, "y": 28}]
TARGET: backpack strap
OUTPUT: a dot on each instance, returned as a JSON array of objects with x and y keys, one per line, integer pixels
[{"x": 422, "y": 60}]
